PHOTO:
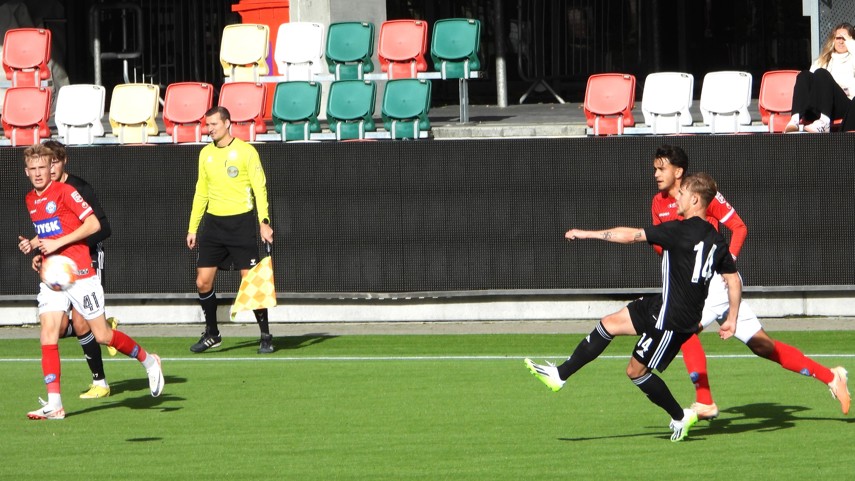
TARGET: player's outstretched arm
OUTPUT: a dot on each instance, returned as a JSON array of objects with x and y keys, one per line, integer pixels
[
  {"x": 734, "y": 296},
  {"x": 620, "y": 235}
]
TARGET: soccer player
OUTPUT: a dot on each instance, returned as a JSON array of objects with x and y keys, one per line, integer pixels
[
  {"x": 63, "y": 221},
  {"x": 670, "y": 166},
  {"x": 76, "y": 325},
  {"x": 230, "y": 187},
  {"x": 694, "y": 251}
]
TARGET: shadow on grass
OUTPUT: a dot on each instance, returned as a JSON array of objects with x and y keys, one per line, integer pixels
[
  {"x": 140, "y": 402},
  {"x": 143, "y": 401},
  {"x": 760, "y": 417},
  {"x": 281, "y": 343}
]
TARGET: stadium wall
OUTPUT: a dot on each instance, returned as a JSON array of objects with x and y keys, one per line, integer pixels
[{"x": 461, "y": 229}]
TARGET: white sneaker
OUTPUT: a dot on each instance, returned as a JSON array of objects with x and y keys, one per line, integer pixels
[
  {"x": 47, "y": 412},
  {"x": 792, "y": 127},
  {"x": 817, "y": 127},
  {"x": 681, "y": 428},
  {"x": 547, "y": 374},
  {"x": 155, "y": 377}
]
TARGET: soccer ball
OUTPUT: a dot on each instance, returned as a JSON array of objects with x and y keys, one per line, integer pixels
[{"x": 58, "y": 272}]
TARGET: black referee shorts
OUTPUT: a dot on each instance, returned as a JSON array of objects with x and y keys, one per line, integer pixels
[
  {"x": 657, "y": 347},
  {"x": 228, "y": 242}
]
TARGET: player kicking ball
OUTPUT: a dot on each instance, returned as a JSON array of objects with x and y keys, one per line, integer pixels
[
  {"x": 694, "y": 251},
  {"x": 63, "y": 221}
]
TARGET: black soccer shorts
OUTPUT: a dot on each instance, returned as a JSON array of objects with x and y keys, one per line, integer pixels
[
  {"x": 657, "y": 347},
  {"x": 228, "y": 241}
]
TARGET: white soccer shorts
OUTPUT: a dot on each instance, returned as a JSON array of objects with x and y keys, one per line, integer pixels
[
  {"x": 717, "y": 306},
  {"x": 86, "y": 295}
]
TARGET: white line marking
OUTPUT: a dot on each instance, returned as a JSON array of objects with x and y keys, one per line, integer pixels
[{"x": 398, "y": 358}]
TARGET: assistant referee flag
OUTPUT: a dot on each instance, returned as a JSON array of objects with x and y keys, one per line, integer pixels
[{"x": 257, "y": 289}]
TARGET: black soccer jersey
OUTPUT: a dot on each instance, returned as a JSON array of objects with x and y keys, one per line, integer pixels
[
  {"x": 694, "y": 251},
  {"x": 88, "y": 193}
]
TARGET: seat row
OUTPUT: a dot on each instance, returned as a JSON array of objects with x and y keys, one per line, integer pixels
[
  {"x": 296, "y": 106},
  {"x": 667, "y": 100},
  {"x": 347, "y": 48}
]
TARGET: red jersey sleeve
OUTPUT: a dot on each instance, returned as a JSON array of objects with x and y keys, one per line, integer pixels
[
  {"x": 662, "y": 209},
  {"x": 721, "y": 210}
]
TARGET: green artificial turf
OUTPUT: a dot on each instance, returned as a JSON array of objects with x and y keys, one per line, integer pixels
[{"x": 458, "y": 407}]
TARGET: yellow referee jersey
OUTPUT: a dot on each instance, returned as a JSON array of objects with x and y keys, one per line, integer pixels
[{"x": 231, "y": 182}]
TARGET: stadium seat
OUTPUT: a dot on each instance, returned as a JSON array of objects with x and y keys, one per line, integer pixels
[
  {"x": 299, "y": 50},
  {"x": 26, "y": 52},
  {"x": 454, "y": 47},
  {"x": 350, "y": 108},
  {"x": 402, "y": 46},
  {"x": 666, "y": 100},
  {"x": 184, "y": 110},
  {"x": 245, "y": 101},
  {"x": 350, "y": 46},
  {"x": 609, "y": 100},
  {"x": 25, "y": 114},
  {"x": 776, "y": 98},
  {"x": 79, "y": 110},
  {"x": 725, "y": 97},
  {"x": 244, "y": 50},
  {"x": 406, "y": 103},
  {"x": 133, "y": 112},
  {"x": 296, "y": 106}
]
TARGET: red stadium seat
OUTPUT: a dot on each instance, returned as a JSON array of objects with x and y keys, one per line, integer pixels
[
  {"x": 25, "y": 114},
  {"x": 609, "y": 100},
  {"x": 184, "y": 110},
  {"x": 245, "y": 101},
  {"x": 402, "y": 48},
  {"x": 26, "y": 52},
  {"x": 776, "y": 98}
]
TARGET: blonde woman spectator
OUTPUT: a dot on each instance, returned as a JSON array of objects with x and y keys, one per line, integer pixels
[{"x": 823, "y": 93}]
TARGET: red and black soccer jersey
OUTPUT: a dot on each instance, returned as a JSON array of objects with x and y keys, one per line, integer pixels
[
  {"x": 664, "y": 209},
  {"x": 693, "y": 252},
  {"x": 58, "y": 211}
]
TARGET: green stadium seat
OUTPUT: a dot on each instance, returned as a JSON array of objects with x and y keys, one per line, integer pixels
[
  {"x": 350, "y": 46},
  {"x": 406, "y": 103},
  {"x": 296, "y": 106},
  {"x": 350, "y": 108},
  {"x": 454, "y": 47}
]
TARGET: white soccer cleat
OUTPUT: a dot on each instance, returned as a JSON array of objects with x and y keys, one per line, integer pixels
[
  {"x": 155, "y": 377},
  {"x": 47, "y": 412},
  {"x": 839, "y": 389},
  {"x": 547, "y": 374},
  {"x": 682, "y": 427},
  {"x": 706, "y": 412}
]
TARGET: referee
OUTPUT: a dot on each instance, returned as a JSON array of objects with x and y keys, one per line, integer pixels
[{"x": 230, "y": 191}]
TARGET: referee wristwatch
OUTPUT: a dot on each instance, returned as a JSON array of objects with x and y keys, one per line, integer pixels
[{"x": 265, "y": 221}]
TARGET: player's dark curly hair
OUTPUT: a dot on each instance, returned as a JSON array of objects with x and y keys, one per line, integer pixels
[{"x": 675, "y": 155}]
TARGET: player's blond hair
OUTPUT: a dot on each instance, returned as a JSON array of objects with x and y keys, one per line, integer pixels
[
  {"x": 38, "y": 150},
  {"x": 702, "y": 184}
]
